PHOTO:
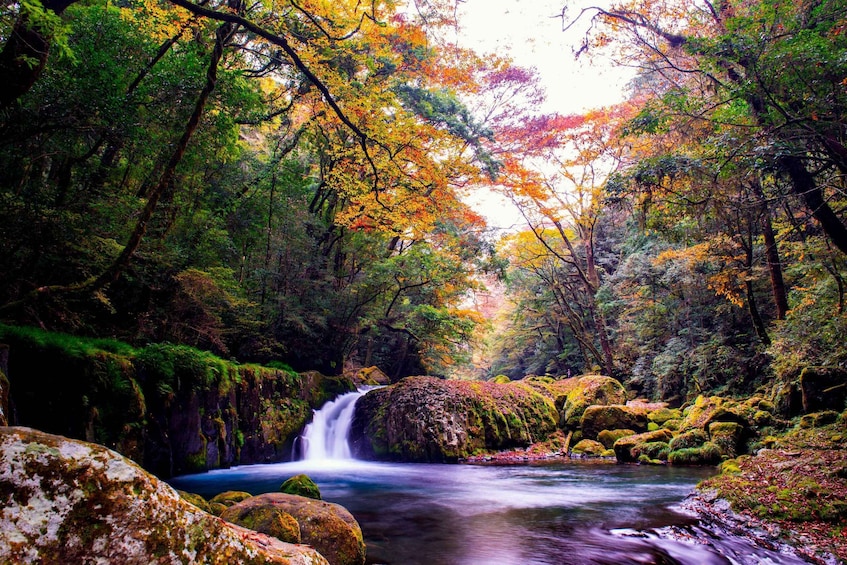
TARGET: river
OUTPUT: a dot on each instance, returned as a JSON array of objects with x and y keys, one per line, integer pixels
[{"x": 550, "y": 513}]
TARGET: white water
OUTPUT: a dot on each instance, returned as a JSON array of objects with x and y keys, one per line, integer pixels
[{"x": 325, "y": 438}]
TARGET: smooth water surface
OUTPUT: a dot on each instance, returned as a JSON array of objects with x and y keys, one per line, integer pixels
[{"x": 560, "y": 513}]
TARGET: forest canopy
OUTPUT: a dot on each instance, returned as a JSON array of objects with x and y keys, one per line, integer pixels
[{"x": 286, "y": 182}]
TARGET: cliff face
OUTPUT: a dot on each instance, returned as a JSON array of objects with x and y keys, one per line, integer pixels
[{"x": 173, "y": 409}]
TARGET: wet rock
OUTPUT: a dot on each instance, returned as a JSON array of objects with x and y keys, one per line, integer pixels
[
  {"x": 706, "y": 454},
  {"x": 372, "y": 376},
  {"x": 67, "y": 501},
  {"x": 301, "y": 485},
  {"x": 595, "y": 419},
  {"x": 691, "y": 438},
  {"x": 327, "y": 527}
]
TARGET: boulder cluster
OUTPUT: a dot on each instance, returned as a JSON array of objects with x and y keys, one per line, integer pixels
[{"x": 428, "y": 419}]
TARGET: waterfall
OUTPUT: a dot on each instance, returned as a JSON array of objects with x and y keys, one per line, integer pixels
[{"x": 325, "y": 438}]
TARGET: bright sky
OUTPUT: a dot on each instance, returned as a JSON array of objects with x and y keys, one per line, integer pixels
[{"x": 530, "y": 32}]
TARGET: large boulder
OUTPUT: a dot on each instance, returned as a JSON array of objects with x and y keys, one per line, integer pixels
[
  {"x": 823, "y": 388},
  {"x": 591, "y": 390},
  {"x": 708, "y": 409},
  {"x": 627, "y": 449},
  {"x": 67, "y": 501},
  {"x": 301, "y": 485},
  {"x": 428, "y": 419},
  {"x": 595, "y": 419},
  {"x": 327, "y": 527}
]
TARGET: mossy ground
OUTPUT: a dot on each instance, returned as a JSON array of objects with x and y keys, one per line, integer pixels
[{"x": 800, "y": 485}]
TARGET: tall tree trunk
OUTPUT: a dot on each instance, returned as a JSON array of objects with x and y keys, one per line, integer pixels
[
  {"x": 780, "y": 295},
  {"x": 803, "y": 184},
  {"x": 111, "y": 274}
]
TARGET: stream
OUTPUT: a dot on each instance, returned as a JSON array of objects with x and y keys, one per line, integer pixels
[{"x": 542, "y": 513}]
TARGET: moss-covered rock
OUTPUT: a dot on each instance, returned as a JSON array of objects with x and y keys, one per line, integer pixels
[
  {"x": 372, "y": 376},
  {"x": 823, "y": 388},
  {"x": 691, "y": 438},
  {"x": 706, "y": 454},
  {"x": 609, "y": 437},
  {"x": 818, "y": 419},
  {"x": 301, "y": 485},
  {"x": 591, "y": 390},
  {"x": 708, "y": 409},
  {"x": 230, "y": 497},
  {"x": 662, "y": 415},
  {"x": 589, "y": 448},
  {"x": 595, "y": 419},
  {"x": 625, "y": 447},
  {"x": 651, "y": 450},
  {"x": 196, "y": 500},
  {"x": 728, "y": 436},
  {"x": 501, "y": 379},
  {"x": 216, "y": 508},
  {"x": 327, "y": 527},
  {"x": 428, "y": 419},
  {"x": 67, "y": 501},
  {"x": 265, "y": 519}
]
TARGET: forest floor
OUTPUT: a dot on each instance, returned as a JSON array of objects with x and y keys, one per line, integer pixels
[{"x": 795, "y": 493}]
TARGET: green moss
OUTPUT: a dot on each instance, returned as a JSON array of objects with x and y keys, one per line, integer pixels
[
  {"x": 609, "y": 437},
  {"x": 301, "y": 485},
  {"x": 195, "y": 499},
  {"x": 230, "y": 497},
  {"x": 706, "y": 454},
  {"x": 653, "y": 450},
  {"x": 688, "y": 440}
]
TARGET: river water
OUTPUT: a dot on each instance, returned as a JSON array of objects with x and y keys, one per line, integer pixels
[{"x": 551, "y": 513}]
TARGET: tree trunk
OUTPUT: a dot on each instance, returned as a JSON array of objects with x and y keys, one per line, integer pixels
[
  {"x": 803, "y": 184},
  {"x": 110, "y": 275},
  {"x": 780, "y": 295},
  {"x": 25, "y": 53}
]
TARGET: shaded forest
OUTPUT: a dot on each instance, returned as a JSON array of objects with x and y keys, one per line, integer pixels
[{"x": 285, "y": 182}]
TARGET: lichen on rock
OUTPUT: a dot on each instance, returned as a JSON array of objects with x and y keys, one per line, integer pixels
[{"x": 67, "y": 501}]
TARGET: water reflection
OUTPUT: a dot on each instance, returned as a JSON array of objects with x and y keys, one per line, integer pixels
[{"x": 489, "y": 515}]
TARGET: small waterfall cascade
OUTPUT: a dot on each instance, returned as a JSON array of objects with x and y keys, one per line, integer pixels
[{"x": 325, "y": 438}]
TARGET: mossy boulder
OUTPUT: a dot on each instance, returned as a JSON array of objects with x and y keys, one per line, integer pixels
[
  {"x": 230, "y": 497},
  {"x": 589, "y": 448},
  {"x": 429, "y": 419},
  {"x": 327, "y": 527},
  {"x": 651, "y": 451},
  {"x": 68, "y": 501},
  {"x": 196, "y": 500},
  {"x": 823, "y": 388},
  {"x": 301, "y": 485},
  {"x": 625, "y": 448},
  {"x": 216, "y": 508},
  {"x": 591, "y": 390},
  {"x": 609, "y": 437},
  {"x": 708, "y": 409},
  {"x": 706, "y": 454},
  {"x": 595, "y": 419},
  {"x": 728, "y": 436},
  {"x": 818, "y": 419},
  {"x": 372, "y": 376},
  {"x": 501, "y": 379},
  {"x": 265, "y": 519},
  {"x": 691, "y": 438},
  {"x": 662, "y": 415}
]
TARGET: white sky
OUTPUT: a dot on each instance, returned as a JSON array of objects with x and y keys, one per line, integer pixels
[{"x": 529, "y": 32}]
